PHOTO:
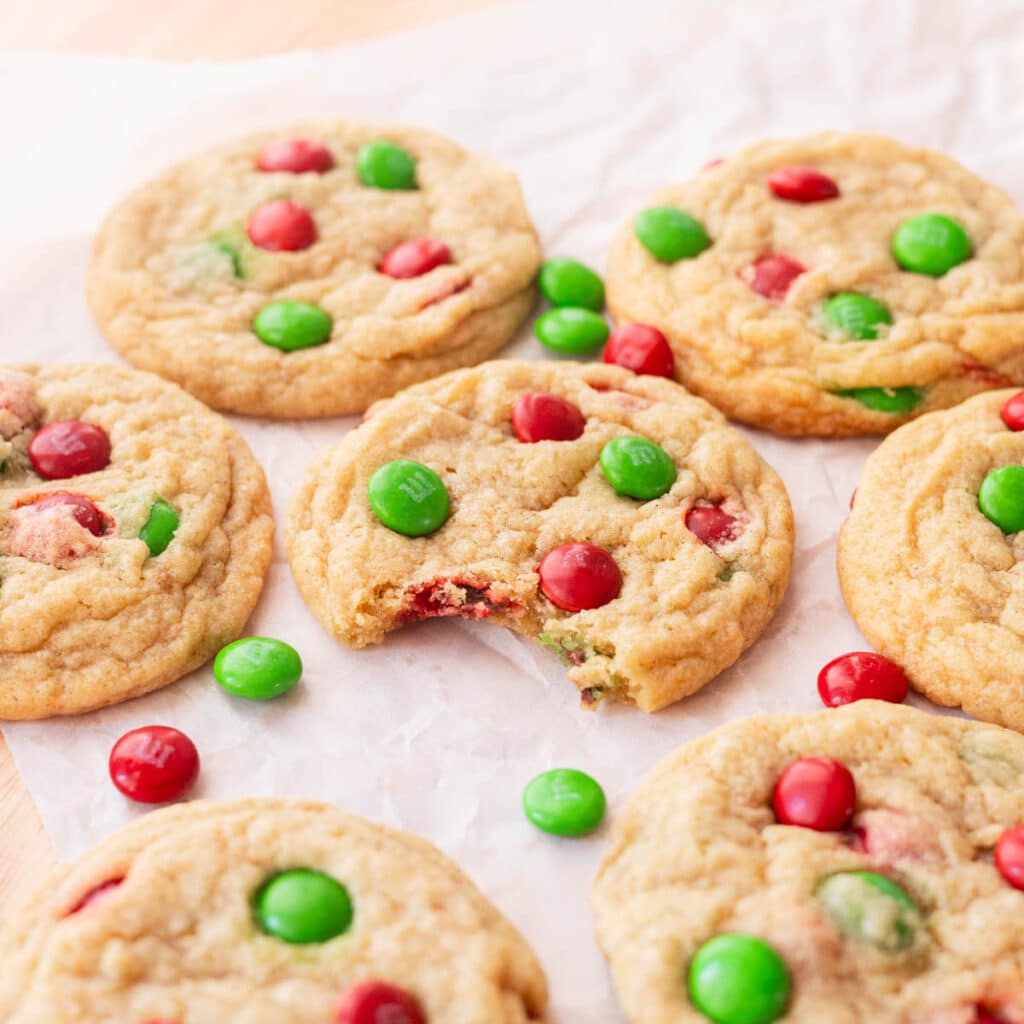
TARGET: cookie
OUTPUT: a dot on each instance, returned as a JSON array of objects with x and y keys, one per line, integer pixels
[
  {"x": 834, "y": 866},
  {"x": 264, "y": 912},
  {"x": 312, "y": 270},
  {"x": 615, "y": 518},
  {"x": 135, "y": 533},
  {"x": 929, "y": 559},
  {"x": 837, "y": 285}
]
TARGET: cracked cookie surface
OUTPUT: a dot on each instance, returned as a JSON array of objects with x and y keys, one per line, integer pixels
[
  {"x": 746, "y": 316},
  {"x": 698, "y": 853},
  {"x": 687, "y": 607},
  {"x": 176, "y": 281},
  {"x": 930, "y": 580},
  {"x": 161, "y": 922},
  {"x": 91, "y": 611}
]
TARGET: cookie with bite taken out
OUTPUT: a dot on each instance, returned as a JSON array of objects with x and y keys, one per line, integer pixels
[{"x": 613, "y": 517}]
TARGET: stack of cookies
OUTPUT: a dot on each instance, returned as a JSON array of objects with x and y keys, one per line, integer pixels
[{"x": 860, "y": 864}]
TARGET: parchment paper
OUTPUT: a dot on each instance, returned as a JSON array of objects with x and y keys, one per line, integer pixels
[{"x": 595, "y": 105}]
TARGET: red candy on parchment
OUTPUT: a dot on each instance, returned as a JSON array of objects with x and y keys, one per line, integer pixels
[{"x": 154, "y": 764}]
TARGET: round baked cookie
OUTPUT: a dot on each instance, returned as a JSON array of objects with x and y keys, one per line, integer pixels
[
  {"x": 397, "y": 255},
  {"x": 931, "y": 580},
  {"x": 838, "y": 284},
  {"x": 892, "y": 913},
  {"x": 135, "y": 533},
  {"x": 263, "y": 912},
  {"x": 648, "y": 546}
]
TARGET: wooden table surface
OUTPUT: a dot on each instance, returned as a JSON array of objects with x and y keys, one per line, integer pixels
[{"x": 180, "y": 30}]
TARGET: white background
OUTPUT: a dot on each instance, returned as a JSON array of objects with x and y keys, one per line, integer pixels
[{"x": 594, "y": 105}]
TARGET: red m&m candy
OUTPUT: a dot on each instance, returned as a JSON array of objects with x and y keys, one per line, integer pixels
[
  {"x": 84, "y": 511},
  {"x": 579, "y": 576},
  {"x": 1009, "y": 856},
  {"x": 815, "y": 792},
  {"x": 154, "y": 764},
  {"x": 642, "y": 349},
  {"x": 712, "y": 525},
  {"x": 802, "y": 184},
  {"x": 772, "y": 275},
  {"x": 377, "y": 1002},
  {"x": 68, "y": 448},
  {"x": 861, "y": 675},
  {"x": 296, "y": 156},
  {"x": 1013, "y": 411},
  {"x": 281, "y": 226},
  {"x": 415, "y": 257},
  {"x": 540, "y": 416}
]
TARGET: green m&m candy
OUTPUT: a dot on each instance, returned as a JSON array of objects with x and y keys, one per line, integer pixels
[
  {"x": 739, "y": 979},
  {"x": 856, "y": 315},
  {"x": 637, "y": 468},
  {"x": 670, "y": 235},
  {"x": 303, "y": 906},
  {"x": 895, "y": 401},
  {"x": 408, "y": 497},
  {"x": 1001, "y": 498},
  {"x": 382, "y": 164},
  {"x": 870, "y": 908},
  {"x": 290, "y": 325},
  {"x": 159, "y": 529},
  {"x": 571, "y": 331},
  {"x": 931, "y": 243},
  {"x": 564, "y": 802},
  {"x": 570, "y": 283},
  {"x": 257, "y": 667}
]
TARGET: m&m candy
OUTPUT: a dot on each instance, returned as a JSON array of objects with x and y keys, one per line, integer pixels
[
  {"x": 861, "y": 675},
  {"x": 857, "y": 315},
  {"x": 257, "y": 667},
  {"x": 302, "y": 906},
  {"x": 154, "y": 764},
  {"x": 574, "y": 577},
  {"x": 642, "y": 349},
  {"x": 817, "y": 793},
  {"x": 802, "y": 184},
  {"x": 83, "y": 510},
  {"x": 1009, "y": 856},
  {"x": 870, "y": 908},
  {"x": 1012, "y": 412},
  {"x": 571, "y": 330},
  {"x": 67, "y": 448},
  {"x": 931, "y": 243},
  {"x": 772, "y": 275},
  {"x": 1001, "y": 498},
  {"x": 414, "y": 258},
  {"x": 637, "y": 468},
  {"x": 564, "y": 802},
  {"x": 295, "y": 156},
  {"x": 712, "y": 525},
  {"x": 159, "y": 528},
  {"x": 408, "y": 497},
  {"x": 383, "y": 164},
  {"x": 281, "y": 226},
  {"x": 541, "y": 416},
  {"x": 566, "y": 282},
  {"x": 669, "y": 234},
  {"x": 290, "y": 325},
  {"x": 895, "y": 401},
  {"x": 739, "y": 979},
  {"x": 377, "y": 1002}
]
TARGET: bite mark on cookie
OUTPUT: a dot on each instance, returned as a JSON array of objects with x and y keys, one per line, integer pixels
[{"x": 455, "y": 596}]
